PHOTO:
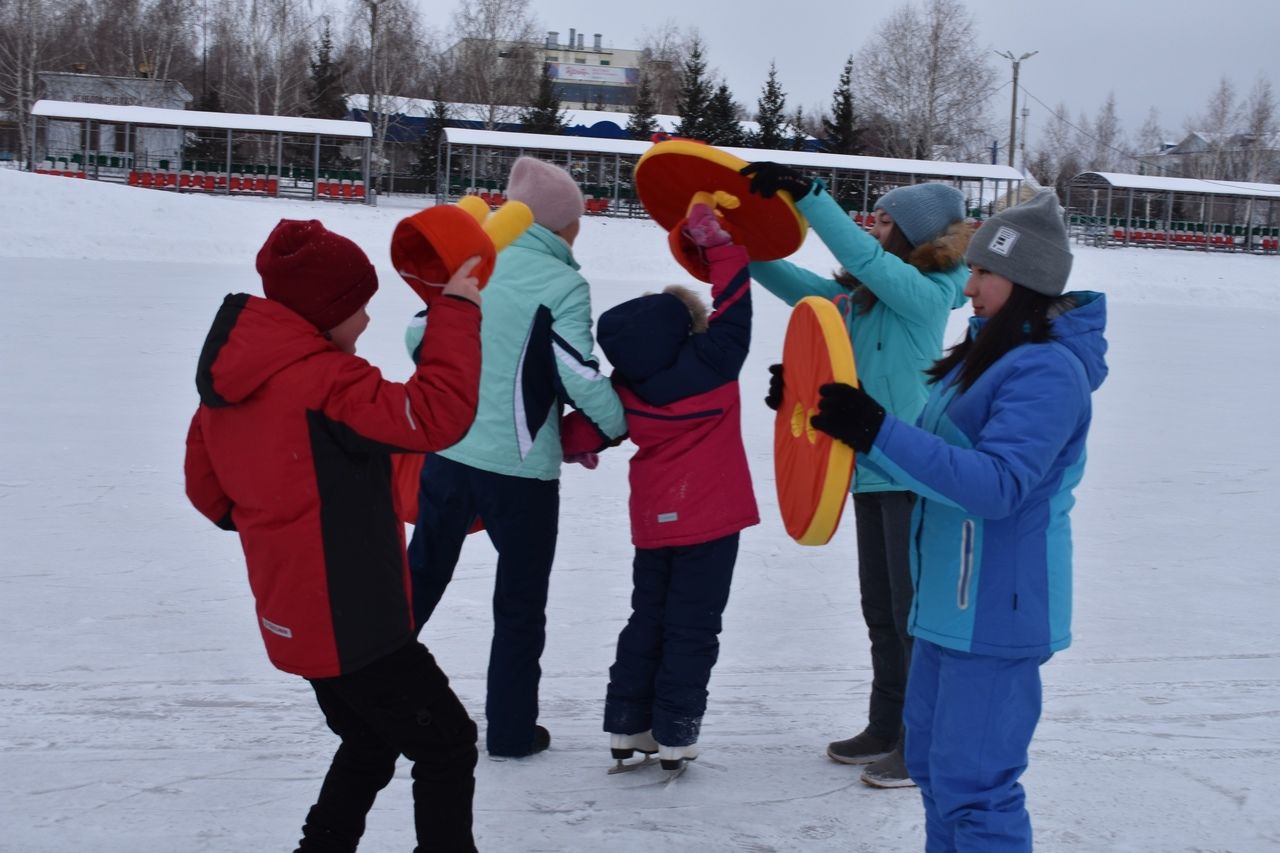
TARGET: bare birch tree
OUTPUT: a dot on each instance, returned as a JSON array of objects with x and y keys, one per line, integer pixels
[
  {"x": 663, "y": 53},
  {"x": 27, "y": 46},
  {"x": 386, "y": 58},
  {"x": 493, "y": 60},
  {"x": 1103, "y": 138},
  {"x": 1261, "y": 134},
  {"x": 925, "y": 75}
]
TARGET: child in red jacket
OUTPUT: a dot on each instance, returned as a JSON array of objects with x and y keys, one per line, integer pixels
[
  {"x": 677, "y": 376},
  {"x": 290, "y": 447}
]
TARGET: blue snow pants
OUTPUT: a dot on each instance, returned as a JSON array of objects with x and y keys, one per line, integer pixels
[
  {"x": 666, "y": 651},
  {"x": 969, "y": 721},
  {"x": 521, "y": 516}
]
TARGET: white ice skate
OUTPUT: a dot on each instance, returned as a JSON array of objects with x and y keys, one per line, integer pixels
[
  {"x": 626, "y": 746},
  {"x": 675, "y": 757}
]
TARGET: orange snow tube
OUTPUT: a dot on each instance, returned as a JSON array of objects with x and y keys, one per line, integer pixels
[{"x": 812, "y": 470}]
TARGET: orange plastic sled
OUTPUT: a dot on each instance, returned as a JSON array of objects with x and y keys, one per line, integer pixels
[
  {"x": 812, "y": 470},
  {"x": 406, "y": 472},
  {"x": 674, "y": 174},
  {"x": 429, "y": 246}
]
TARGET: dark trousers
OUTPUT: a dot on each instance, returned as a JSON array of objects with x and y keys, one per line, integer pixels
[
  {"x": 400, "y": 704},
  {"x": 521, "y": 516},
  {"x": 970, "y": 719},
  {"x": 884, "y": 579},
  {"x": 670, "y": 643}
]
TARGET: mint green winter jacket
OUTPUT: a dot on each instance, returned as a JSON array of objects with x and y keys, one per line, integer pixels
[
  {"x": 536, "y": 357},
  {"x": 901, "y": 336}
]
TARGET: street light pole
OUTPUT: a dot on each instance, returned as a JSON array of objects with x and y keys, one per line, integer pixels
[{"x": 1013, "y": 109}]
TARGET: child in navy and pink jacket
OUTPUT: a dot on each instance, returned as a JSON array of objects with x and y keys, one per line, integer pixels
[{"x": 676, "y": 373}]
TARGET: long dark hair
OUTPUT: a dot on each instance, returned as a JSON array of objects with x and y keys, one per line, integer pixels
[
  {"x": 862, "y": 297},
  {"x": 1024, "y": 318}
]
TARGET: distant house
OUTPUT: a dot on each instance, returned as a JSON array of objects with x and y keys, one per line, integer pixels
[
  {"x": 1254, "y": 158},
  {"x": 146, "y": 143}
]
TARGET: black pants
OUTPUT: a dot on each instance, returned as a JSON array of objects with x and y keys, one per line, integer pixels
[
  {"x": 400, "y": 704},
  {"x": 520, "y": 515},
  {"x": 669, "y": 645},
  {"x": 884, "y": 578}
]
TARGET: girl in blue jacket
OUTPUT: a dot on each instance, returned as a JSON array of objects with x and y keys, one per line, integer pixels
[
  {"x": 994, "y": 456},
  {"x": 897, "y": 287}
]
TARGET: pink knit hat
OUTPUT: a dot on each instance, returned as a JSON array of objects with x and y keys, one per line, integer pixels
[{"x": 551, "y": 192}]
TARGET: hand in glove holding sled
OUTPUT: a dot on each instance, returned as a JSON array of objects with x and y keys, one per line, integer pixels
[
  {"x": 768, "y": 177},
  {"x": 704, "y": 229},
  {"x": 848, "y": 414},
  {"x": 774, "y": 398}
]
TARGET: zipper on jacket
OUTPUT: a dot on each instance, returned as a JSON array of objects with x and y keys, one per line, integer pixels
[{"x": 966, "y": 564}]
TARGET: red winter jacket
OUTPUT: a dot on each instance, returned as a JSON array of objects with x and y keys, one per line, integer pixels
[
  {"x": 291, "y": 447},
  {"x": 689, "y": 478}
]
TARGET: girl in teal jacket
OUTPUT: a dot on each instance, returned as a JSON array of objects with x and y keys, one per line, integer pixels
[{"x": 897, "y": 287}]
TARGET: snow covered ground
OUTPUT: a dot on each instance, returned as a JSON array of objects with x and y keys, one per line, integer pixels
[{"x": 138, "y": 711}]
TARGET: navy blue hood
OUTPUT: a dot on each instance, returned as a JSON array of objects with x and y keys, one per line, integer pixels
[{"x": 643, "y": 336}]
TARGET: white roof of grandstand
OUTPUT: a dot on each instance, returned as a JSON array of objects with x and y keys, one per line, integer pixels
[
  {"x": 196, "y": 118},
  {"x": 804, "y": 159},
  {"x": 1156, "y": 183},
  {"x": 587, "y": 118}
]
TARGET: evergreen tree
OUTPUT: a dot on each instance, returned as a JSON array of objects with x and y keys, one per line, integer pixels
[
  {"x": 325, "y": 98},
  {"x": 771, "y": 114},
  {"x": 206, "y": 144},
  {"x": 798, "y": 140},
  {"x": 642, "y": 125},
  {"x": 544, "y": 115},
  {"x": 428, "y": 167},
  {"x": 695, "y": 94},
  {"x": 841, "y": 127},
  {"x": 721, "y": 126},
  {"x": 209, "y": 102}
]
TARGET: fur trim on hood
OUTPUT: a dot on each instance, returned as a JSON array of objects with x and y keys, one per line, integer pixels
[
  {"x": 692, "y": 301},
  {"x": 944, "y": 251}
]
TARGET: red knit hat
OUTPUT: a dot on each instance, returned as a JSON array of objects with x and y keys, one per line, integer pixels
[{"x": 320, "y": 275}]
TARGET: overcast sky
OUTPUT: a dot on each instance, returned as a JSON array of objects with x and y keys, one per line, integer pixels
[{"x": 1168, "y": 54}]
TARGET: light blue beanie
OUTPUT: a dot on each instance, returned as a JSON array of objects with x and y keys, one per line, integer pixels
[{"x": 923, "y": 211}]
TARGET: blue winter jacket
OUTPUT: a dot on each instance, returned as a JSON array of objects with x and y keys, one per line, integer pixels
[
  {"x": 901, "y": 336},
  {"x": 995, "y": 467}
]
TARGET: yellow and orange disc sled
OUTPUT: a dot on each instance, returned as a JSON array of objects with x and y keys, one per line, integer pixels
[
  {"x": 812, "y": 469},
  {"x": 429, "y": 246},
  {"x": 676, "y": 173}
]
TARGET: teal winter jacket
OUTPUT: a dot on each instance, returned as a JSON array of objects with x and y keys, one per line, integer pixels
[
  {"x": 901, "y": 336},
  {"x": 536, "y": 357}
]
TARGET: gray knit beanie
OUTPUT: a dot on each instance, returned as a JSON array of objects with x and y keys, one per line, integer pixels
[
  {"x": 1026, "y": 244},
  {"x": 923, "y": 211}
]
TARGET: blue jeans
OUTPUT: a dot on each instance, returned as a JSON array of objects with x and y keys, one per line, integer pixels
[
  {"x": 969, "y": 720},
  {"x": 521, "y": 516},
  {"x": 669, "y": 645}
]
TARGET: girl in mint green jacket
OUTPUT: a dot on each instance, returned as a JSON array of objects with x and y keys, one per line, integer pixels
[{"x": 897, "y": 286}]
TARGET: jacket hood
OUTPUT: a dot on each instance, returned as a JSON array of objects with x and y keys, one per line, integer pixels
[
  {"x": 1080, "y": 328},
  {"x": 1078, "y": 325},
  {"x": 944, "y": 251},
  {"x": 251, "y": 340},
  {"x": 643, "y": 336}
]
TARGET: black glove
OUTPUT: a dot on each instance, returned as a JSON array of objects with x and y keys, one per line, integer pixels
[
  {"x": 767, "y": 178},
  {"x": 848, "y": 414},
  {"x": 774, "y": 398}
]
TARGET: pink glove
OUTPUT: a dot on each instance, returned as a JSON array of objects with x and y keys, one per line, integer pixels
[
  {"x": 586, "y": 460},
  {"x": 704, "y": 229}
]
